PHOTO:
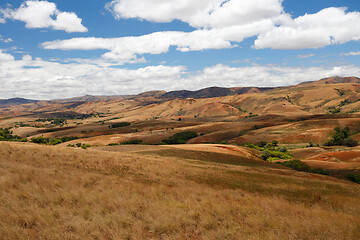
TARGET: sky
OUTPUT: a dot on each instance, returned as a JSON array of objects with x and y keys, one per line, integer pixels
[{"x": 59, "y": 49}]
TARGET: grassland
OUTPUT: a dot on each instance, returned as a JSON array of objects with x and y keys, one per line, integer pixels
[
  {"x": 209, "y": 188},
  {"x": 51, "y": 192}
]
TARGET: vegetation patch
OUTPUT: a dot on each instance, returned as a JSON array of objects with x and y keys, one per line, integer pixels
[
  {"x": 180, "y": 138},
  {"x": 354, "y": 177},
  {"x": 341, "y": 138},
  {"x": 120, "y": 124},
  {"x": 6, "y": 135},
  {"x": 270, "y": 151},
  {"x": 80, "y": 145},
  {"x": 296, "y": 165},
  {"x": 51, "y": 141},
  {"x": 130, "y": 142}
]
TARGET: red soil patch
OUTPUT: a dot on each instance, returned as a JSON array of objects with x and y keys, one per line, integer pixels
[{"x": 348, "y": 156}]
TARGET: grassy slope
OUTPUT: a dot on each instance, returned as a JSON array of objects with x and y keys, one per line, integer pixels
[{"x": 57, "y": 193}]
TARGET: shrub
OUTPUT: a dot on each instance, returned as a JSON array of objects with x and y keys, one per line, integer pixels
[
  {"x": 311, "y": 144},
  {"x": 55, "y": 141},
  {"x": 320, "y": 171},
  {"x": 251, "y": 145},
  {"x": 283, "y": 149},
  {"x": 262, "y": 144},
  {"x": 296, "y": 165},
  {"x": 341, "y": 137},
  {"x": 51, "y": 141},
  {"x": 40, "y": 140},
  {"x": 113, "y": 144},
  {"x": 135, "y": 141},
  {"x": 272, "y": 155},
  {"x": 85, "y": 146},
  {"x": 354, "y": 177},
  {"x": 6, "y": 135},
  {"x": 67, "y": 139},
  {"x": 120, "y": 124},
  {"x": 349, "y": 142},
  {"x": 180, "y": 138}
]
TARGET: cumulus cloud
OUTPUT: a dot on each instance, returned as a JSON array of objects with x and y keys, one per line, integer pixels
[
  {"x": 5, "y": 57},
  {"x": 43, "y": 14},
  {"x": 219, "y": 24},
  {"x": 22, "y": 78},
  {"x": 234, "y": 20},
  {"x": 126, "y": 49},
  {"x": 328, "y": 27},
  {"x": 200, "y": 13}
]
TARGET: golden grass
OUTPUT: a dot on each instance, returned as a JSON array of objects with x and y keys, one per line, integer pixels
[{"x": 59, "y": 193}]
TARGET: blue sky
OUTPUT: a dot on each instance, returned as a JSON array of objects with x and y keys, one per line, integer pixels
[{"x": 62, "y": 48}]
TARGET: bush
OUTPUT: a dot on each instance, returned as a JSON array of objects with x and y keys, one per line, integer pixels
[
  {"x": 113, "y": 144},
  {"x": 272, "y": 155},
  {"x": 250, "y": 145},
  {"x": 55, "y": 141},
  {"x": 354, "y": 177},
  {"x": 296, "y": 165},
  {"x": 120, "y": 124},
  {"x": 135, "y": 141},
  {"x": 349, "y": 142},
  {"x": 51, "y": 141},
  {"x": 262, "y": 144},
  {"x": 320, "y": 171},
  {"x": 341, "y": 137},
  {"x": 180, "y": 138},
  {"x": 85, "y": 146},
  {"x": 6, "y": 135},
  {"x": 283, "y": 149},
  {"x": 40, "y": 140}
]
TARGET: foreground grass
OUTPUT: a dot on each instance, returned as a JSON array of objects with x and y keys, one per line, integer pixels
[{"x": 58, "y": 193}]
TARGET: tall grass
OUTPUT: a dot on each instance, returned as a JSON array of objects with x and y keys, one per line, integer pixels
[{"x": 58, "y": 193}]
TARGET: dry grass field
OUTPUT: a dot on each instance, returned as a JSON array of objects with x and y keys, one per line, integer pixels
[
  {"x": 210, "y": 188},
  {"x": 61, "y": 193}
]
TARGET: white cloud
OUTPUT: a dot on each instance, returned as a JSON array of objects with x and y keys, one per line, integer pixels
[
  {"x": 43, "y": 14},
  {"x": 126, "y": 49},
  {"x": 352, "y": 54},
  {"x": 303, "y": 56},
  {"x": 5, "y": 57},
  {"x": 5, "y": 40},
  {"x": 327, "y": 27},
  {"x": 220, "y": 24},
  {"x": 22, "y": 78},
  {"x": 267, "y": 76},
  {"x": 199, "y": 13}
]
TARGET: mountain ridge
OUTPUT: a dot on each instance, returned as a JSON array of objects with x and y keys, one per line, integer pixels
[{"x": 161, "y": 95}]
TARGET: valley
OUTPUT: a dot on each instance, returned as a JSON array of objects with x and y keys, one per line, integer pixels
[{"x": 215, "y": 160}]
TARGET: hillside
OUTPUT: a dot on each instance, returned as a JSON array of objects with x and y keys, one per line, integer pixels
[
  {"x": 113, "y": 167},
  {"x": 15, "y": 101},
  {"x": 213, "y": 92},
  {"x": 57, "y": 193}
]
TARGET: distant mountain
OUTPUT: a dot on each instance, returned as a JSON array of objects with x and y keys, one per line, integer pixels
[
  {"x": 334, "y": 80},
  {"x": 16, "y": 101},
  {"x": 151, "y": 94},
  {"x": 213, "y": 92},
  {"x": 90, "y": 98}
]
